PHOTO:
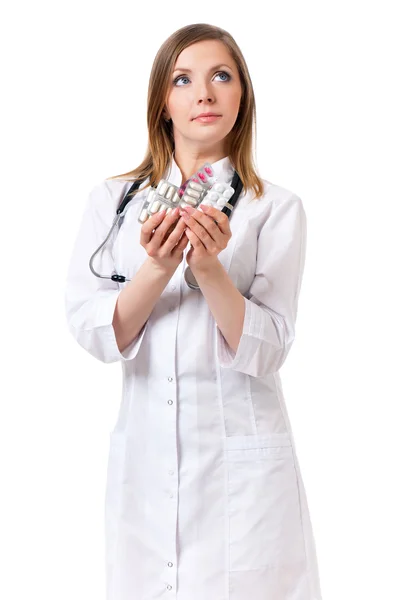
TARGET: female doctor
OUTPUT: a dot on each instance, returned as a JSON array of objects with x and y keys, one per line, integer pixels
[{"x": 204, "y": 496}]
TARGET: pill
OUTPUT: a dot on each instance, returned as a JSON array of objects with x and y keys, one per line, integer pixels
[
  {"x": 155, "y": 206},
  {"x": 150, "y": 195},
  {"x": 143, "y": 216},
  {"x": 228, "y": 193},
  {"x": 190, "y": 201},
  {"x": 192, "y": 193},
  {"x": 221, "y": 201},
  {"x": 169, "y": 192},
  {"x": 206, "y": 202},
  {"x": 195, "y": 179},
  {"x": 145, "y": 205},
  {"x": 176, "y": 197},
  {"x": 209, "y": 171},
  {"x": 183, "y": 203},
  {"x": 202, "y": 176},
  {"x": 168, "y": 211},
  {"x": 162, "y": 188},
  {"x": 195, "y": 186},
  {"x": 212, "y": 196},
  {"x": 165, "y": 206},
  {"x": 218, "y": 187}
]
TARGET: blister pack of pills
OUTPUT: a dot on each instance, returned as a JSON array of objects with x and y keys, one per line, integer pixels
[
  {"x": 202, "y": 187},
  {"x": 219, "y": 195},
  {"x": 164, "y": 197}
]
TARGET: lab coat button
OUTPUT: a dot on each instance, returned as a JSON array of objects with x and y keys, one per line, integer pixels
[
  {"x": 169, "y": 587},
  {"x": 171, "y": 472},
  {"x": 170, "y": 564},
  {"x": 170, "y": 378},
  {"x": 170, "y": 401}
]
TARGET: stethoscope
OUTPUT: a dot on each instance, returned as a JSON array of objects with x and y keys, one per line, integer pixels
[{"x": 188, "y": 275}]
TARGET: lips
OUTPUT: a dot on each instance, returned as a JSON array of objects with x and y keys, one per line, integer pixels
[{"x": 205, "y": 115}]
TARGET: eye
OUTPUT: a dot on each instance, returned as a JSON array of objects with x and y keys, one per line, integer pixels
[
  {"x": 181, "y": 78},
  {"x": 223, "y": 73}
]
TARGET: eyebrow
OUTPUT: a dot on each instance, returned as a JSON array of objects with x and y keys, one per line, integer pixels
[{"x": 211, "y": 68}]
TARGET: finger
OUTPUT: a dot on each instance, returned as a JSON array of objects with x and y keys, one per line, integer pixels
[
  {"x": 205, "y": 229},
  {"x": 149, "y": 225},
  {"x": 196, "y": 242},
  {"x": 181, "y": 244},
  {"x": 217, "y": 215},
  {"x": 175, "y": 234},
  {"x": 161, "y": 230}
]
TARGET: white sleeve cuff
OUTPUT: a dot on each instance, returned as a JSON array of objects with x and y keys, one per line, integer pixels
[
  {"x": 260, "y": 348},
  {"x": 92, "y": 327}
]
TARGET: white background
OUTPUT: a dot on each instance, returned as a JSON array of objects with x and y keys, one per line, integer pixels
[{"x": 74, "y": 79}]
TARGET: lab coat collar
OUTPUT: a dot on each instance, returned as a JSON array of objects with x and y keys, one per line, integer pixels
[{"x": 222, "y": 168}]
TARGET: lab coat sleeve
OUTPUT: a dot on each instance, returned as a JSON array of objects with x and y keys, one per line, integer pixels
[
  {"x": 272, "y": 302},
  {"x": 89, "y": 300}
]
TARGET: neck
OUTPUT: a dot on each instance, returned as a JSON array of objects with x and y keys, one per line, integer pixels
[{"x": 189, "y": 159}]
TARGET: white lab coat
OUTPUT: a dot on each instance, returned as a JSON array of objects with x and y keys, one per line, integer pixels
[{"x": 204, "y": 496}]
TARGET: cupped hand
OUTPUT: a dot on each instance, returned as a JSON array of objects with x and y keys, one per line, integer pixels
[
  {"x": 163, "y": 238},
  {"x": 209, "y": 233}
]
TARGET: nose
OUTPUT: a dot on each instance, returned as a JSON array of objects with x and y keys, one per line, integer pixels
[
  {"x": 206, "y": 98},
  {"x": 205, "y": 94}
]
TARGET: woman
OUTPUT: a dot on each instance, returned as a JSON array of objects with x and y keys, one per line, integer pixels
[{"x": 204, "y": 498}]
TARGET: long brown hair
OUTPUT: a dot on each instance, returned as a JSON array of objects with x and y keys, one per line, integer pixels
[{"x": 160, "y": 132}]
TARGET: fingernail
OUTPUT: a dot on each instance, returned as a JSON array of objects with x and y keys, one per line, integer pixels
[{"x": 189, "y": 210}]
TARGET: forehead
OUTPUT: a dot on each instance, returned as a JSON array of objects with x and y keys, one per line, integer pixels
[{"x": 204, "y": 53}]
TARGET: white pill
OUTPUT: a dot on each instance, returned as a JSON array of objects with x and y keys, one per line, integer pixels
[
  {"x": 170, "y": 192},
  {"x": 151, "y": 194},
  {"x": 221, "y": 201},
  {"x": 164, "y": 207},
  {"x": 195, "y": 186},
  {"x": 162, "y": 188},
  {"x": 176, "y": 197},
  {"x": 145, "y": 204},
  {"x": 192, "y": 193},
  {"x": 212, "y": 196},
  {"x": 190, "y": 201},
  {"x": 143, "y": 216},
  {"x": 228, "y": 193},
  {"x": 155, "y": 206},
  {"x": 168, "y": 211},
  {"x": 183, "y": 203},
  {"x": 218, "y": 187},
  {"x": 206, "y": 202}
]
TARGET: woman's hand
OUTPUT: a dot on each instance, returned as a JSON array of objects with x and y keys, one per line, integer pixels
[
  {"x": 208, "y": 233},
  {"x": 163, "y": 239}
]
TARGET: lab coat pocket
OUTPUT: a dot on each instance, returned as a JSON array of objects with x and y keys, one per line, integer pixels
[
  {"x": 265, "y": 528},
  {"x": 113, "y": 495}
]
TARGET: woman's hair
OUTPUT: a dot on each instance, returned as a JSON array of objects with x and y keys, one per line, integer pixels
[{"x": 160, "y": 132}]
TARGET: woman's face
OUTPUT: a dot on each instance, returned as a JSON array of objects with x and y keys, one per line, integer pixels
[{"x": 205, "y": 79}]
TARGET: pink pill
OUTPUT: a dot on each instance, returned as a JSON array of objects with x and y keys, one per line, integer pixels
[
  {"x": 209, "y": 171},
  {"x": 202, "y": 176},
  {"x": 196, "y": 180}
]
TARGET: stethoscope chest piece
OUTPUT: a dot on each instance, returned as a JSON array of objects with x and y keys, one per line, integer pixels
[{"x": 190, "y": 279}]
